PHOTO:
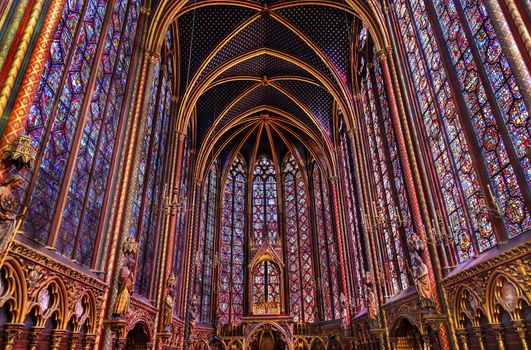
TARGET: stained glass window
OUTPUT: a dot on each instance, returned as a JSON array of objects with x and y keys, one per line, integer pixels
[
  {"x": 494, "y": 106},
  {"x": 265, "y": 202},
  {"x": 327, "y": 247},
  {"x": 231, "y": 269},
  {"x": 151, "y": 204},
  {"x": 353, "y": 225},
  {"x": 444, "y": 133},
  {"x": 387, "y": 208},
  {"x": 57, "y": 124},
  {"x": 205, "y": 253},
  {"x": 299, "y": 250},
  {"x": 182, "y": 212},
  {"x": 486, "y": 116},
  {"x": 266, "y": 283}
]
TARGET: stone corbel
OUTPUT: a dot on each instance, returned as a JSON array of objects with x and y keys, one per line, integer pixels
[
  {"x": 56, "y": 339},
  {"x": 33, "y": 337},
  {"x": 88, "y": 342},
  {"x": 11, "y": 334},
  {"x": 520, "y": 329}
]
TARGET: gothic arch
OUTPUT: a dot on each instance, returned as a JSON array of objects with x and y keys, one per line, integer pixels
[
  {"x": 13, "y": 291},
  {"x": 50, "y": 301},
  {"x": 285, "y": 333},
  {"x": 505, "y": 293},
  {"x": 467, "y": 304}
]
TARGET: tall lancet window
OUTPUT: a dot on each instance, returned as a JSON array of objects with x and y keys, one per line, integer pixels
[
  {"x": 299, "y": 251},
  {"x": 74, "y": 124},
  {"x": 265, "y": 200},
  {"x": 466, "y": 63},
  {"x": 231, "y": 271},
  {"x": 327, "y": 248},
  {"x": 205, "y": 253},
  {"x": 353, "y": 224},
  {"x": 266, "y": 288},
  {"x": 390, "y": 206}
]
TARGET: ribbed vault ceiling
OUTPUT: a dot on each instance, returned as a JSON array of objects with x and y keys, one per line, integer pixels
[{"x": 242, "y": 60}]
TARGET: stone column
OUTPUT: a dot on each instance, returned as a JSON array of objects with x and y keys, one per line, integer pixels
[
  {"x": 520, "y": 329},
  {"x": 11, "y": 334},
  {"x": 20, "y": 53},
  {"x": 32, "y": 77},
  {"x": 510, "y": 48},
  {"x": 126, "y": 195},
  {"x": 497, "y": 328},
  {"x": 478, "y": 333}
]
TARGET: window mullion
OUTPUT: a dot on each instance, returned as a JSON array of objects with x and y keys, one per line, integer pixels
[
  {"x": 53, "y": 110},
  {"x": 100, "y": 133},
  {"x": 81, "y": 120}
]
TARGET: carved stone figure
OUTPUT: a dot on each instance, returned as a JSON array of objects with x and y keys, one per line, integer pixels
[
  {"x": 415, "y": 243},
  {"x": 126, "y": 277},
  {"x": 423, "y": 284},
  {"x": 8, "y": 205},
  {"x": 372, "y": 302},
  {"x": 169, "y": 303},
  {"x": 343, "y": 309},
  {"x": 193, "y": 312}
]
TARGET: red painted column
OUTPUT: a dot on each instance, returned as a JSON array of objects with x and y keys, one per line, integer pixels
[
  {"x": 32, "y": 76},
  {"x": 334, "y": 186},
  {"x": 383, "y": 56}
]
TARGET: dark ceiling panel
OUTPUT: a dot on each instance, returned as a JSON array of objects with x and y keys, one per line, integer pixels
[
  {"x": 208, "y": 26},
  {"x": 266, "y": 65},
  {"x": 266, "y": 32},
  {"x": 270, "y": 96},
  {"x": 328, "y": 27},
  {"x": 211, "y": 103},
  {"x": 318, "y": 100}
]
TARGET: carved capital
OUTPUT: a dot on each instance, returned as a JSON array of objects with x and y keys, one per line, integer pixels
[
  {"x": 56, "y": 338},
  {"x": 145, "y": 11},
  {"x": 383, "y": 53},
  {"x": 88, "y": 342},
  {"x": 520, "y": 329},
  {"x": 11, "y": 334},
  {"x": 33, "y": 337},
  {"x": 151, "y": 56}
]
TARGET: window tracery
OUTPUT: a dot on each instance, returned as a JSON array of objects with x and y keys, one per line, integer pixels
[
  {"x": 232, "y": 236},
  {"x": 299, "y": 250},
  {"x": 265, "y": 201},
  {"x": 71, "y": 140},
  {"x": 327, "y": 248}
]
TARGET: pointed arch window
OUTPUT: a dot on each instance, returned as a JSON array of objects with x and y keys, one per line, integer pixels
[
  {"x": 391, "y": 205},
  {"x": 205, "y": 253},
  {"x": 492, "y": 113},
  {"x": 299, "y": 250},
  {"x": 327, "y": 247},
  {"x": 266, "y": 288},
  {"x": 231, "y": 275},
  {"x": 265, "y": 200},
  {"x": 147, "y": 213},
  {"x": 356, "y": 241},
  {"x": 74, "y": 124}
]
